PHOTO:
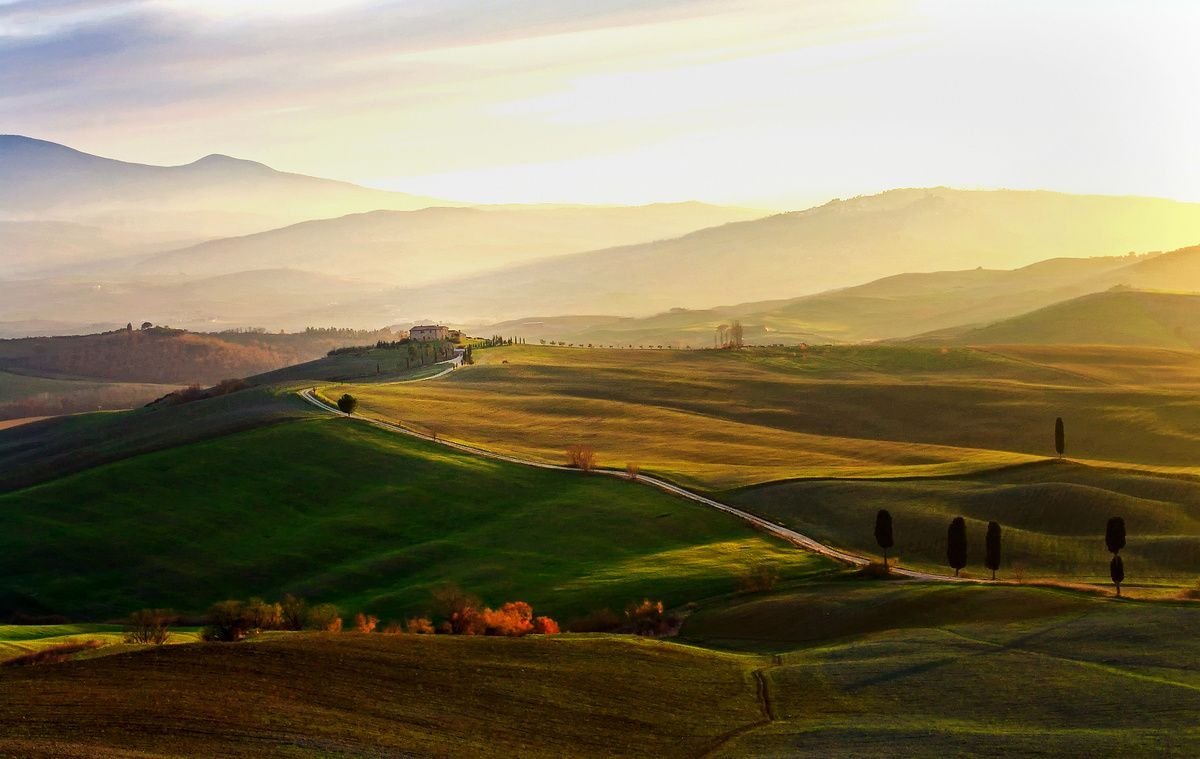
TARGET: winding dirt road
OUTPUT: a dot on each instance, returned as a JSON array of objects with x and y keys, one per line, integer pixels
[{"x": 791, "y": 536}]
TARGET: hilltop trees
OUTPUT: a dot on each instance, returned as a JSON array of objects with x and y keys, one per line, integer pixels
[
  {"x": 1060, "y": 437},
  {"x": 956, "y": 545},
  {"x": 883, "y": 533},
  {"x": 991, "y": 558},
  {"x": 1114, "y": 539}
]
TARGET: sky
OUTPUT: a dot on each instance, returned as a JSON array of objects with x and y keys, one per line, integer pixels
[{"x": 768, "y": 103}]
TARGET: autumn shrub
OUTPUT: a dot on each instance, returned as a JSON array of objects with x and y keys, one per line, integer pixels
[
  {"x": 151, "y": 626},
  {"x": 365, "y": 623},
  {"x": 51, "y": 654},
  {"x": 228, "y": 621},
  {"x": 392, "y": 628},
  {"x": 324, "y": 617},
  {"x": 513, "y": 619},
  {"x": 598, "y": 621},
  {"x": 458, "y": 609},
  {"x": 649, "y": 618},
  {"x": 632, "y": 470},
  {"x": 582, "y": 457},
  {"x": 419, "y": 626},
  {"x": 759, "y": 578},
  {"x": 545, "y": 626}
]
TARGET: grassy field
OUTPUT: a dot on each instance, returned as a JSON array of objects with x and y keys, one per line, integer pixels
[
  {"x": 24, "y": 395},
  {"x": 1053, "y": 515},
  {"x": 844, "y": 667},
  {"x": 932, "y": 670},
  {"x": 16, "y": 640},
  {"x": 715, "y": 420},
  {"x": 340, "y": 511}
]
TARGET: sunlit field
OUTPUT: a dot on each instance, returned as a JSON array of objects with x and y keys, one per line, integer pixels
[{"x": 717, "y": 420}]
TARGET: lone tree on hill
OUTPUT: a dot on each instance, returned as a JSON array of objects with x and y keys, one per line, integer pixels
[
  {"x": 1060, "y": 437},
  {"x": 347, "y": 403},
  {"x": 1114, "y": 539},
  {"x": 956, "y": 544},
  {"x": 1114, "y": 534},
  {"x": 1116, "y": 570},
  {"x": 991, "y": 557},
  {"x": 883, "y": 533}
]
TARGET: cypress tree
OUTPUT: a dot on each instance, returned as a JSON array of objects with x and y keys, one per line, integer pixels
[
  {"x": 992, "y": 551},
  {"x": 956, "y": 544},
  {"x": 1116, "y": 570},
  {"x": 1060, "y": 437},
  {"x": 1114, "y": 535},
  {"x": 883, "y": 533}
]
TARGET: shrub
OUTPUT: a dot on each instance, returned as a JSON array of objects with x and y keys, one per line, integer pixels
[
  {"x": 365, "y": 623},
  {"x": 545, "y": 626},
  {"x": 324, "y": 617},
  {"x": 419, "y": 626},
  {"x": 294, "y": 612},
  {"x": 151, "y": 626},
  {"x": 456, "y": 607},
  {"x": 263, "y": 615},
  {"x": 759, "y": 578},
  {"x": 649, "y": 618},
  {"x": 392, "y": 628},
  {"x": 513, "y": 619},
  {"x": 347, "y": 403},
  {"x": 581, "y": 457},
  {"x": 632, "y": 470},
  {"x": 229, "y": 621},
  {"x": 52, "y": 654},
  {"x": 598, "y": 621}
]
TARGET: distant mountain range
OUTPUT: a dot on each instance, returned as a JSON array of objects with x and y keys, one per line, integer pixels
[
  {"x": 87, "y": 240},
  {"x": 215, "y": 196}
]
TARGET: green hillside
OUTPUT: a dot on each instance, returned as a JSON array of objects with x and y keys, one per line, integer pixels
[
  {"x": 1117, "y": 317},
  {"x": 1053, "y": 516},
  {"x": 342, "y": 512}
]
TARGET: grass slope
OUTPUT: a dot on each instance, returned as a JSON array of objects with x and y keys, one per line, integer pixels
[
  {"x": 1052, "y": 514},
  {"x": 341, "y": 511},
  {"x": 1119, "y": 317},
  {"x": 358, "y": 695},
  {"x": 717, "y": 419},
  {"x": 833, "y": 668}
]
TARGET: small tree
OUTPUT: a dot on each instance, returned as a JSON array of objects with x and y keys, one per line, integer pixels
[
  {"x": 347, "y": 403},
  {"x": 582, "y": 457},
  {"x": 1060, "y": 437},
  {"x": 325, "y": 617},
  {"x": 883, "y": 533},
  {"x": 151, "y": 626},
  {"x": 294, "y": 612},
  {"x": 1116, "y": 570},
  {"x": 228, "y": 621},
  {"x": 992, "y": 548},
  {"x": 956, "y": 544},
  {"x": 632, "y": 470},
  {"x": 365, "y": 623},
  {"x": 1114, "y": 535}
]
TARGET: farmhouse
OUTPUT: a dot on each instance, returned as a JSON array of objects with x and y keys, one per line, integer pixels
[{"x": 427, "y": 332}]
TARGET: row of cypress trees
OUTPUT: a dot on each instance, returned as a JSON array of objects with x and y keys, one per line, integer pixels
[{"x": 956, "y": 544}]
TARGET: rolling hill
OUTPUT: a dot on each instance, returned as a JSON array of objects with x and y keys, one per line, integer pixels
[
  {"x": 839, "y": 244},
  {"x": 417, "y": 247},
  {"x": 1116, "y": 317}
]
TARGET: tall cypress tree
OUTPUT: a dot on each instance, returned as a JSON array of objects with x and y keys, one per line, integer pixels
[
  {"x": 883, "y": 533},
  {"x": 1060, "y": 437},
  {"x": 1116, "y": 570},
  {"x": 956, "y": 544},
  {"x": 1114, "y": 534},
  {"x": 992, "y": 551}
]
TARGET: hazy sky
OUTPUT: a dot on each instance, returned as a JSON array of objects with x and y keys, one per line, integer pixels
[{"x": 768, "y": 102}]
